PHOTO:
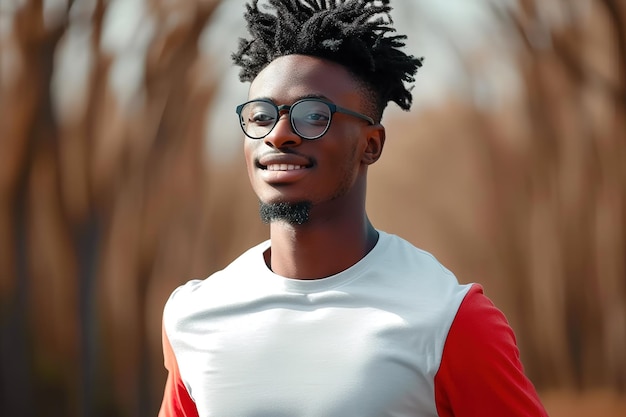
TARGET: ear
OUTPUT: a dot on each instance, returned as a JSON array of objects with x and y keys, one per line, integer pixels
[{"x": 375, "y": 142}]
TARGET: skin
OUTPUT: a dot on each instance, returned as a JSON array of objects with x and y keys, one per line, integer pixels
[{"x": 333, "y": 175}]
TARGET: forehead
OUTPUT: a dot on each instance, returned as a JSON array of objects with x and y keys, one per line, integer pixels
[{"x": 288, "y": 78}]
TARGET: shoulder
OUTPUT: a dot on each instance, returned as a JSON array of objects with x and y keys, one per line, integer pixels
[
  {"x": 418, "y": 275},
  {"x": 480, "y": 370},
  {"x": 417, "y": 284},
  {"x": 196, "y": 295},
  {"x": 481, "y": 329},
  {"x": 250, "y": 260},
  {"x": 400, "y": 253}
]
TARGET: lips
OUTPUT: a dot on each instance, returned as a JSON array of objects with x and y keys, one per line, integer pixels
[
  {"x": 281, "y": 169},
  {"x": 283, "y": 162}
]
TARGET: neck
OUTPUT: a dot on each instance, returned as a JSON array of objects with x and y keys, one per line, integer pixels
[{"x": 322, "y": 247}]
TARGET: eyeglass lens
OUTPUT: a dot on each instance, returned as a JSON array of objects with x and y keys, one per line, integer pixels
[{"x": 309, "y": 118}]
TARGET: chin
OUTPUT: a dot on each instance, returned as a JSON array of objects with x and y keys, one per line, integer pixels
[
  {"x": 275, "y": 196},
  {"x": 292, "y": 213}
]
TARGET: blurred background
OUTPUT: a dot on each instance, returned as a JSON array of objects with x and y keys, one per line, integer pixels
[{"x": 121, "y": 177}]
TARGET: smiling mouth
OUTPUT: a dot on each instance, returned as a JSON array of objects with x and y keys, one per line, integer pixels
[{"x": 284, "y": 167}]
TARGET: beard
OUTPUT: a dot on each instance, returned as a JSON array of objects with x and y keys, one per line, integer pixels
[{"x": 291, "y": 213}]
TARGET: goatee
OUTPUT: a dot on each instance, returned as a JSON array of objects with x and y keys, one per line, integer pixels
[{"x": 291, "y": 213}]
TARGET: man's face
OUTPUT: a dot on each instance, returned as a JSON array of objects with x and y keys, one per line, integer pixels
[{"x": 284, "y": 168}]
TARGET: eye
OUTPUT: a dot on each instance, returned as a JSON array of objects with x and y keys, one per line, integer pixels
[
  {"x": 316, "y": 117},
  {"x": 312, "y": 112},
  {"x": 260, "y": 117},
  {"x": 261, "y": 114}
]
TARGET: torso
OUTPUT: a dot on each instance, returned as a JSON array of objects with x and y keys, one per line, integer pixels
[{"x": 365, "y": 342}]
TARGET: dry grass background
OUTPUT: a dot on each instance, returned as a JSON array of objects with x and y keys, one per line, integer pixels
[{"x": 106, "y": 206}]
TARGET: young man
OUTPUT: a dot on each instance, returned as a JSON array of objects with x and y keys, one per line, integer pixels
[{"x": 331, "y": 317}]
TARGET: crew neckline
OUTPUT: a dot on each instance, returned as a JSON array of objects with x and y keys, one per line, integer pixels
[{"x": 319, "y": 284}]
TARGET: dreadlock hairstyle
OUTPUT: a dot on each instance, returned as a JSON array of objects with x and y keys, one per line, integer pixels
[{"x": 354, "y": 33}]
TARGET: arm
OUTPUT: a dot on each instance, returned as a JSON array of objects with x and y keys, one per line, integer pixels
[
  {"x": 176, "y": 399},
  {"x": 480, "y": 372}
]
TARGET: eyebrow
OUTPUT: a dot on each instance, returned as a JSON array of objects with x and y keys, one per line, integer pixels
[{"x": 318, "y": 96}]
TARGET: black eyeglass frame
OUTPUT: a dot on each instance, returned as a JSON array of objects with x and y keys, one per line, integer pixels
[{"x": 331, "y": 106}]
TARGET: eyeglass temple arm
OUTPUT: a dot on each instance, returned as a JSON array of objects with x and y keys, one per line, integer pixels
[{"x": 355, "y": 114}]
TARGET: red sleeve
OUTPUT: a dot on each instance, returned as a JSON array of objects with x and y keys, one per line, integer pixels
[
  {"x": 176, "y": 399},
  {"x": 480, "y": 372}
]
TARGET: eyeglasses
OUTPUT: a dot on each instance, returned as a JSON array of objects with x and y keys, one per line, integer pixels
[{"x": 309, "y": 118}]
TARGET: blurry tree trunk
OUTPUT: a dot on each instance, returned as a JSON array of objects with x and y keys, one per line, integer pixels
[
  {"x": 98, "y": 211},
  {"x": 563, "y": 251}
]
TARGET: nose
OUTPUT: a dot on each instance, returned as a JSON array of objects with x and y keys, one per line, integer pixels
[{"x": 282, "y": 135}]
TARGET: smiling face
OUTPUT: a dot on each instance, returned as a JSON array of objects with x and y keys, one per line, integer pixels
[{"x": 283, "y": 167}]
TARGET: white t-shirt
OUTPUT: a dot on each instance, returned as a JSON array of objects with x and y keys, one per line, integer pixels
[{"x": 366, "y": 342}]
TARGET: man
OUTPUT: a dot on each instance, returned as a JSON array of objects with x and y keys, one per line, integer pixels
[{"x": 331, "y": 317}]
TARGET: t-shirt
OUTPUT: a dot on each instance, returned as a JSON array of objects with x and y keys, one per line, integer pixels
[{"x": 393, "y": 335}]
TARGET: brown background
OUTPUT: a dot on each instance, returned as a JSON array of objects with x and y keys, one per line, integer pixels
[{"x": 107, "y": 205}]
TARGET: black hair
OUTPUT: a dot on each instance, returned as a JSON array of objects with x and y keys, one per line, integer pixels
[{"x": 353, "y": 33}]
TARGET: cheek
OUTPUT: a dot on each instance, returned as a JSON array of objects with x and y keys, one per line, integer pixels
[
  {"x": 353, "y": 145},
  {"x": 248, "y": 152},
  {"x": 346, "y": 161},
  {"x": 351, "y": 164}
]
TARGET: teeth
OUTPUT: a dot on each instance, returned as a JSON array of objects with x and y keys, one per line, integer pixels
[{"x": 283, "y": 167}]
